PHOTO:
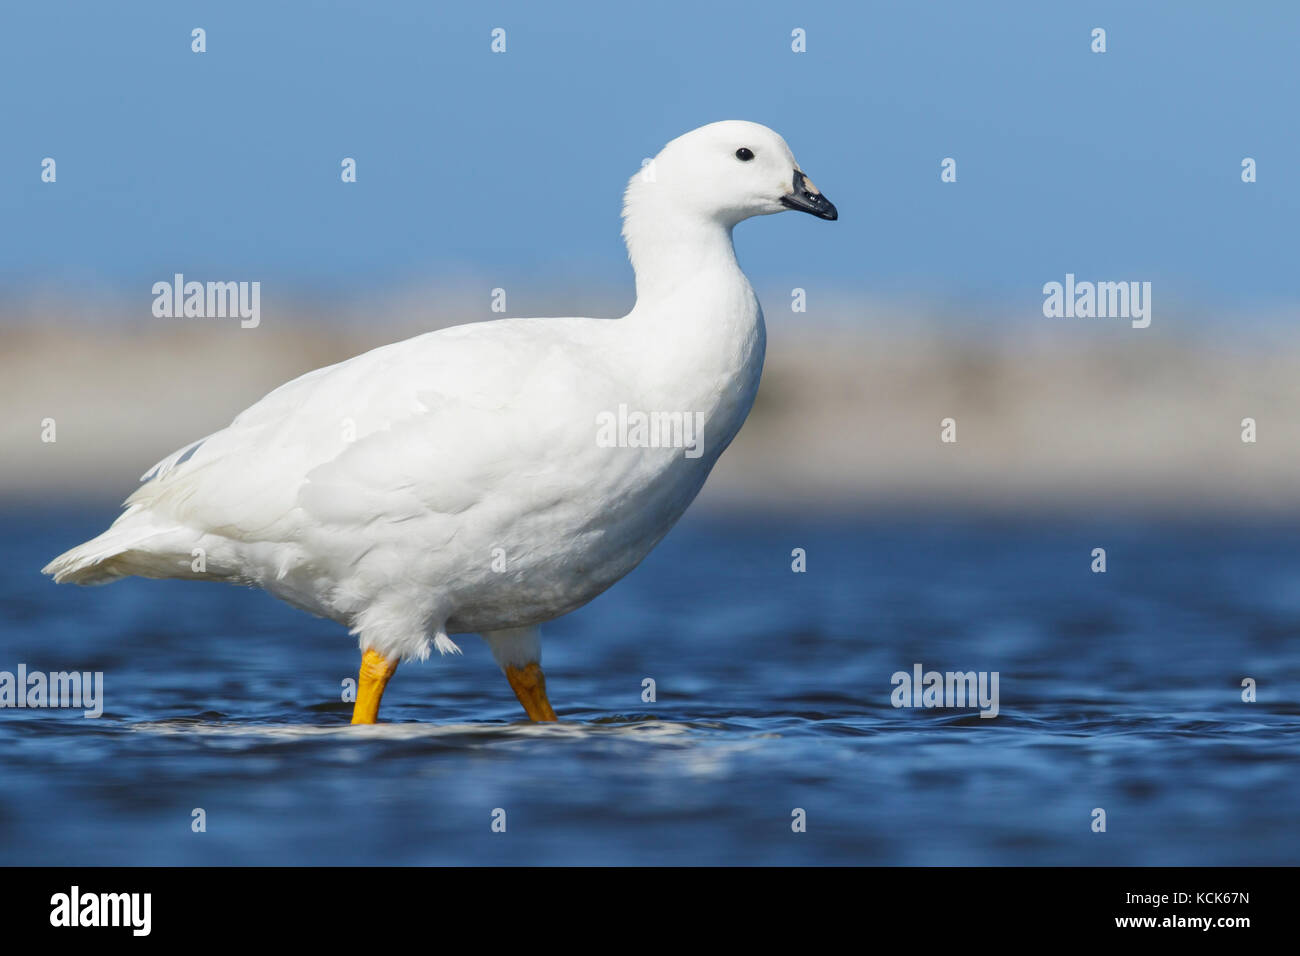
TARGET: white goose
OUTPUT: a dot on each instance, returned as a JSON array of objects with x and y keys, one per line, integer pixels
[{"x": 464, "y": 480}]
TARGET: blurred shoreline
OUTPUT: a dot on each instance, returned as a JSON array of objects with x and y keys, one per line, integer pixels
[{"x": 1049, "y": 415}]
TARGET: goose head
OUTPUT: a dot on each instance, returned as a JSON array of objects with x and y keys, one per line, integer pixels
[{"x": 725, "y": 173}]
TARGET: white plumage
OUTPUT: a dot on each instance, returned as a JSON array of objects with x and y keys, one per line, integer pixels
[{"x": 453, "y": 482}]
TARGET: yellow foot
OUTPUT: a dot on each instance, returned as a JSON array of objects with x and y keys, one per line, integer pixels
[
  {"x": 529, "y": 685},
  {"x": 375, "y": 671}
]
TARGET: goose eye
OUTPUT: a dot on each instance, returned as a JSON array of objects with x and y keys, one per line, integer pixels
[{"x": 744, "y": 154}]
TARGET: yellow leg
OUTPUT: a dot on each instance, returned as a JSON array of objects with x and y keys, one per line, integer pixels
[
  {"x": 529, "y": 685},
  {"x": 375, "y": 671}
]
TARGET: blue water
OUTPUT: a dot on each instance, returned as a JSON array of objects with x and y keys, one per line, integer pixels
[{"x": 1118, "y": 690}]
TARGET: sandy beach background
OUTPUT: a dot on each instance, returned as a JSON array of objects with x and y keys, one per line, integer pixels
[{"x": 1050, "y": 414}]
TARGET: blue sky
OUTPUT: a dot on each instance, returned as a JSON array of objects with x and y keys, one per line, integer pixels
[{"x": 1123, "y": 165}]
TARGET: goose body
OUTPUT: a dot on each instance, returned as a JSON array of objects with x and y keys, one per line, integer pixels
[{"x": 460, "y": 481}]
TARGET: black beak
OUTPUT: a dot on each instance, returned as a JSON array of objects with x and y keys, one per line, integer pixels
[{"x": 806, "y": 198}]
